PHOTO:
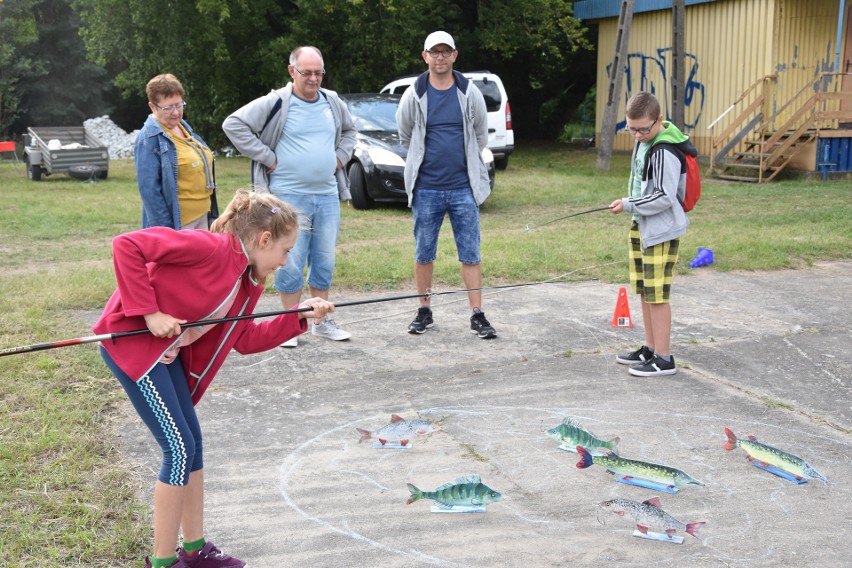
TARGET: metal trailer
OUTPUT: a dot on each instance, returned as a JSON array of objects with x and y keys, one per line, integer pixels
[{"x": 89, "y": 159}]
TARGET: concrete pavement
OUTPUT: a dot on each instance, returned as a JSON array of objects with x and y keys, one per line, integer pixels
[{"x": 766, "y": 354}]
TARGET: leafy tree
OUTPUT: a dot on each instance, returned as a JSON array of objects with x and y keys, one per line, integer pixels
[
  {"x": 228, "y": 52},
  {"x": 536, "y": 46},
  {"x": 72, "y": 88},
  {"x": 216, "y": 48},
  {"x": 18, "y": 30}
]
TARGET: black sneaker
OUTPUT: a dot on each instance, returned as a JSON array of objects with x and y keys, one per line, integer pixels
[
  {"x": 422, "y": 322},
  {"x": 653, "y": 368},
  {"x": 480, "y": 326},
  {"x": 641, "y": 355}
]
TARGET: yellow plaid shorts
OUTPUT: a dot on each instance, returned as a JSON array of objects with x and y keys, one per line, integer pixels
[{"x": 651, "y": 269}]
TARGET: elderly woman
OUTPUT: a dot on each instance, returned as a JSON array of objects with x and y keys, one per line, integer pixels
[{"x": 174, "y": 166}]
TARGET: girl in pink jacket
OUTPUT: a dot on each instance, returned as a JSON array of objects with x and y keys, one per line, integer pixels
[{"x": 167, "y": 278}]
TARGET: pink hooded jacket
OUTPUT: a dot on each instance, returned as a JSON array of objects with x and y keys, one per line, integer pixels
[{"x": 188, "y": 275}]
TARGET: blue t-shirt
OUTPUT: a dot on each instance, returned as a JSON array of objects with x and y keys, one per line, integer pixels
[
  {"x": 306, "y": 150},
  {"x": 444, "y": 165}
]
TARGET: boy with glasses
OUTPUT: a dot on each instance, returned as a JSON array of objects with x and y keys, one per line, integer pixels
[
  {"x": 657, "y": 187},
  {"x": 444, "y": 172}
]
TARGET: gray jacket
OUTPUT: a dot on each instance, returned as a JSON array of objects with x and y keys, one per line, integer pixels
[
  {"x": 255, "y": 129},
  {"x": 411, "y": 122},
  {"x": 661, "y": 216}
]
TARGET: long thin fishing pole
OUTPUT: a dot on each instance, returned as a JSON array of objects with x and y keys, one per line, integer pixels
[
  {"x": 120, "y": 334},
  {"x": 527, "y": 229}
]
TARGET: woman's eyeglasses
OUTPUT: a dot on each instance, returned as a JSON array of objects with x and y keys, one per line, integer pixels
[{"x": 170, "y": 109}]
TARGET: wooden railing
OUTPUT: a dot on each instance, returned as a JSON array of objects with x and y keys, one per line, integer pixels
[
  {"x": 735, "y": 127},
  {"x": 762, "y": 137}
]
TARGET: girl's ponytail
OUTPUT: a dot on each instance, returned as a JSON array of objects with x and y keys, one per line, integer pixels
[{"x": 249, "y": 214}]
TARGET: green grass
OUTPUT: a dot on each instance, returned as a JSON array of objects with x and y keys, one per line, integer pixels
[{"x": 66, "y": 496}]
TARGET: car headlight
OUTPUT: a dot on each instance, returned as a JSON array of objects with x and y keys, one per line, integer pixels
[
  {"x": 382, "y": 157},
  {"x": 487, "y": 156}
]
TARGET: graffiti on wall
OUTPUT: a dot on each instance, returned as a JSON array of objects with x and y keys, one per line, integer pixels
[{"x": 650, "y": 73}]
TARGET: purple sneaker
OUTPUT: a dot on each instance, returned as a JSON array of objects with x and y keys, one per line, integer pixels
[
  {"x": 209, "y": 557},
  {"x": 177, "y": 563}
]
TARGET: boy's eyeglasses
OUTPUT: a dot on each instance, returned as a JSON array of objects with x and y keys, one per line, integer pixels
[{"x": 642, "y": 131}]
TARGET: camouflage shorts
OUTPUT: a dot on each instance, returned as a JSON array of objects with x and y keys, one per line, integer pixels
[{"x": 651, "y": 269}]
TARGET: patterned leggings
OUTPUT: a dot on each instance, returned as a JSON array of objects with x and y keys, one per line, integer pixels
[{"x": 162, "y": 400}]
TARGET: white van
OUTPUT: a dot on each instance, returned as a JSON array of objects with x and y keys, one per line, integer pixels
[{"x": 501, "y": 138}]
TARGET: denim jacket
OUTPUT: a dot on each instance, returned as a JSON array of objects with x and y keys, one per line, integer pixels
[{"x": 156, "y": 174}]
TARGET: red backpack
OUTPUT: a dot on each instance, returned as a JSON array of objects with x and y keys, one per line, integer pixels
[{"x": 688, "y": 156}]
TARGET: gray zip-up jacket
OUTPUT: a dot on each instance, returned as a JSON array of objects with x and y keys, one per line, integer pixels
[
  {"x": 411, "y": 122},
  {"x": 255, "y": 129},
  {"x": 661, "y": 216}
]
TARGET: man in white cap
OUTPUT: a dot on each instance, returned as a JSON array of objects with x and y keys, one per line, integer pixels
[{"x": 444, "y": 172}]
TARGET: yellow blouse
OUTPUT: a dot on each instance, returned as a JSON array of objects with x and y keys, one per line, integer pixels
[{"x": 195, "y": 176}]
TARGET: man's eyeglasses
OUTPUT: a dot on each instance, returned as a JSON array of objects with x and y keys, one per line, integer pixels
[
  {"x": 642, "y": 131},
  {"x": 317, "y": 74},
  {"x": 170, "y": 109},
  {"x": 436, "y": 53}
]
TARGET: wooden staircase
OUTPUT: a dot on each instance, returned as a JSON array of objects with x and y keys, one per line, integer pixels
[
  {"x": 754, "y": 148},
  {"x": 763, "y": 158}
]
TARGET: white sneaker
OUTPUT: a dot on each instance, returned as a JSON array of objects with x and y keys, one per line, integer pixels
[
  {"x": 329, "y": 330},
  {"x": 291, "y": 342}
]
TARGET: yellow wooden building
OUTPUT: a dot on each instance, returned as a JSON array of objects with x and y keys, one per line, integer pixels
[{"x": 767, "y": 83}]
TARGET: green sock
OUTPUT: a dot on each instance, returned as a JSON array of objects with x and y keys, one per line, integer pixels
[
  {"x": 194, "y": 546},
  {"x": 162, "y": 562}
]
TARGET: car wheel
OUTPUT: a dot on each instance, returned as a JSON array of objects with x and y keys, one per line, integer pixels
[
  {"x": 502, "y": 163},
  {"x": 84, "y": 173},
  {"x": 33, "y": 170},
  {"x": 358, "y": 187}
]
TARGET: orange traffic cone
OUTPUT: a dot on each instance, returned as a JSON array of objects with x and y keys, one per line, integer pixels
[{"x": 621, "y": 317}]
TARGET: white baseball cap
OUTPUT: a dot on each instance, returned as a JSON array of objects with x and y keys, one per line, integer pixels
[{"x": 437, "y": 38}]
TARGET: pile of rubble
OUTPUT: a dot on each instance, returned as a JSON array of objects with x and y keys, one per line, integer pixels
[{"x": 111, "y": 135}]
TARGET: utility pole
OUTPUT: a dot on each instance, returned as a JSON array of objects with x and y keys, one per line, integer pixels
[
  {"x": 678, "y": 48},
  {"x": 616, "y": 74}
]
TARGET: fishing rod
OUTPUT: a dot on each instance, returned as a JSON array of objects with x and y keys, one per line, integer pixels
[
  {"x": 120, "y": 334},
  {"x": 527, "y": 229}
]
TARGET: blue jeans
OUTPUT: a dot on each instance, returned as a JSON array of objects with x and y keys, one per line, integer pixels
[
  {"x": 162, "y": 400},
  {"x": 319, "y": 220},
  {"x": 429, "y": 207}
]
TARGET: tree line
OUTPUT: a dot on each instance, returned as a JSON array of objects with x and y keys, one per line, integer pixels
[{"x": 63, "y": 61}]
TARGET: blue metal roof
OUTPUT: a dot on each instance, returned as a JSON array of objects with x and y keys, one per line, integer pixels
[{"x": 595, "y": 9}]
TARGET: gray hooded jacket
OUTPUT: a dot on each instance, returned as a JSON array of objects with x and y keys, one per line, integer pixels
[
  {"x": 411, "y": 122},
  {"x": 661, "y": 216},
  {"x": 255, "y": 129}
]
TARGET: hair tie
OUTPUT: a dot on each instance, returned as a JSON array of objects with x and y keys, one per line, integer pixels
[{"x": 275, "y": 210}]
